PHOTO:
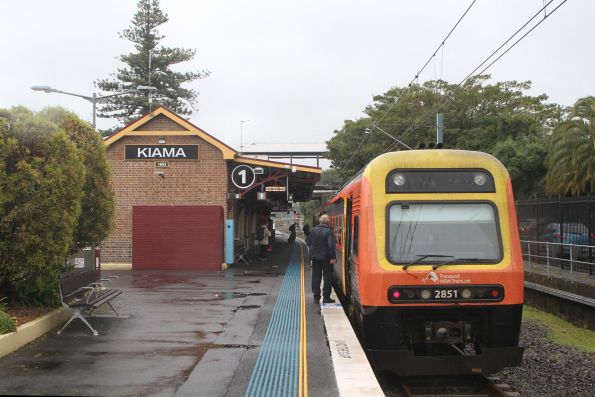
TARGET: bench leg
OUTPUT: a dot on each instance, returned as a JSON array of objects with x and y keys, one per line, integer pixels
[
  {"x": 77, "y": 314},
  {"x": 243, "y": 257},
  {"x": 115, "y": 311}
]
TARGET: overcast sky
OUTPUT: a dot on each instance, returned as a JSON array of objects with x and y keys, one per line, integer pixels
[{"x": 295, "y": 69}]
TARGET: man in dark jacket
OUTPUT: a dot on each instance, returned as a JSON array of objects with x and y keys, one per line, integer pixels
[{"x": 321, "y": 242}]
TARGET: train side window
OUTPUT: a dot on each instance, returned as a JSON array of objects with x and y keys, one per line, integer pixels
[{"x": 355, "y": 238}]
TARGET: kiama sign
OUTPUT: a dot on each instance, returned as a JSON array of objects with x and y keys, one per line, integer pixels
[{"x": 169, "y": 152}]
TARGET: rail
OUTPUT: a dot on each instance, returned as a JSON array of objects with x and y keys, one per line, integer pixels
[
  {"x": 574, "y": 258},
  {"x": 583, "y": 300}
]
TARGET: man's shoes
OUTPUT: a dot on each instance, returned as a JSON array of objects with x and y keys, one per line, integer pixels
[
  {"x": 316, "y": 299},
  {"x": 328, "y": 300}
]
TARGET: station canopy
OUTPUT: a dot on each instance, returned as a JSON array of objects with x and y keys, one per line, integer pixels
[{"x": 282, "y": 182}]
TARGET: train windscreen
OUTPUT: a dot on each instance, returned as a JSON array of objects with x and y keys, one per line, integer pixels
[{"x": 443, "y": 230}]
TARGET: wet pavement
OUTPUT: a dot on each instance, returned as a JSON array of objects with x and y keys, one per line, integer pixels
[{"x": 189, "y": 333}]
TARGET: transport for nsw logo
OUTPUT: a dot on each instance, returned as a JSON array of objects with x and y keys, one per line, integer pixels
[{"x": 431, "y": 276}]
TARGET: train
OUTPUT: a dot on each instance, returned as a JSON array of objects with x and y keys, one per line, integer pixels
[{"x": 429, "y": 262}]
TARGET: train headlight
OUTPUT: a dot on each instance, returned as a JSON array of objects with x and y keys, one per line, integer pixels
[
  {"x": 399, "y": 179},
  {"x": 479, "y": 179},
  {"x": 396, "y": 294},
  {"x": 466, "y": 293},
  {"x": 426, "y": 294}
]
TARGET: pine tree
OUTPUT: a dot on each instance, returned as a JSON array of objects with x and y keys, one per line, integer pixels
[{"x": 149, "y": 66}]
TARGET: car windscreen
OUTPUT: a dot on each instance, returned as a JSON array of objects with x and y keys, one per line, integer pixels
[{"x": 457, "y": 230}]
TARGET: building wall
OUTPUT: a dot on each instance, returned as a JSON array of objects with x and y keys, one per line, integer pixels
[{"x": 202, "y": 182}]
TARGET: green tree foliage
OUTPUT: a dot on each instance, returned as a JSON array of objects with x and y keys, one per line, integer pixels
[
  {"x": 525, "y": 162},
  {"x": 44, "y": 178},
  {"x": 144, "y": 35},
  {"x": 571, "y": 155},
  {"x": 52, "y": 166},
  {"x": 331, "y": 179},
  {"x": 477, "y": 116},
  {"x": 97, "y": 205}
]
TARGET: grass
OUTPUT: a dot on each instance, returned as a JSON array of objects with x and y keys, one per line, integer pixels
[{"x": 562, "y": 332}]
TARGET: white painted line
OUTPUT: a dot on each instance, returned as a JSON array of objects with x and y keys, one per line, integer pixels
[{"x": 352, "y": 369}]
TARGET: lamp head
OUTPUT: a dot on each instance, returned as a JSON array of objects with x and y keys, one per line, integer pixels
[
  {"x": 146, "y": 88},
  {"x": 44, "y": 88}
]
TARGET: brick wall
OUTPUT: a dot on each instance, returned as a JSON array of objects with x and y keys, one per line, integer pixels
[{"x": 202, "y": 182}]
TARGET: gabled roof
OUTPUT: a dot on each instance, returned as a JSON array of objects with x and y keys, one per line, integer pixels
[
  {"x": 278, "y": 164},
  {"x": 163, "y": 122}
]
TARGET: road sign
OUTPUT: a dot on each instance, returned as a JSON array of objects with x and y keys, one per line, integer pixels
[{"x": 243, "y": 176}]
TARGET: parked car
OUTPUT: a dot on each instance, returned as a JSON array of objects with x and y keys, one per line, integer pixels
[
  {"x": 567, "y": 234},
  {"x": 527, "y": 229}
]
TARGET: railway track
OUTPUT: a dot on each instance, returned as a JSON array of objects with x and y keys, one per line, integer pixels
[{"x": 460, "y": 386}]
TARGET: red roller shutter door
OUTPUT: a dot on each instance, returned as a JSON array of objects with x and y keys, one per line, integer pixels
[{"x": 177, "y": 237}]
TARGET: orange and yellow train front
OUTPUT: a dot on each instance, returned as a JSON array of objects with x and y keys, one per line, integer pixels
[{"x": 439, "y": 266}]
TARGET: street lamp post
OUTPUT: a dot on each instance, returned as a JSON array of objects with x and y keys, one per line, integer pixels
[
  {"x": 242, "y": 134},
  {"x": 93, "y": 99}
]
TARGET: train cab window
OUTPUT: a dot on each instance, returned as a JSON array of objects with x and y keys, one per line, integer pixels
[
  {"x": 355, "y": 238},
  {"x": 447, "y": 230}
]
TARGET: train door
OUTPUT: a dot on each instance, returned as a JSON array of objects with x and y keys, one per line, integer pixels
[{"x": 347, "y": 248}]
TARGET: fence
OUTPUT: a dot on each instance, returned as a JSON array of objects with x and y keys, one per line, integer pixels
[
  {"x": 568, "y": 221},
  {"x": 573, "y": 258}
]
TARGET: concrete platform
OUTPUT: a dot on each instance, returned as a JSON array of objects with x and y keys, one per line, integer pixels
[{"x": 193, "y": 333}]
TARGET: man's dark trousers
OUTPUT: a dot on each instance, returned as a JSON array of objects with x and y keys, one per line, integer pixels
[{"x": 322, "y": 270}]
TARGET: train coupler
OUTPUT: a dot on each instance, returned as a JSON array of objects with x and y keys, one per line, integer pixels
[{"x": 451, "y": 332}]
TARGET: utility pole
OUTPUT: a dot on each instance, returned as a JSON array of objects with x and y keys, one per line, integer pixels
[
  {"x": 242, "y": 135},
  {"x": 439, "y": 128}
]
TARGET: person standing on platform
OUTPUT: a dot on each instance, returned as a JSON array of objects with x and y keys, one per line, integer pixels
[
  {"x": 271, "y": 225},
  {"x": 262, "y": 235},
  {"x": 306, "y": 230},
  {"x": 321, "y": 242},
  {"x": 291, "y": 238}
]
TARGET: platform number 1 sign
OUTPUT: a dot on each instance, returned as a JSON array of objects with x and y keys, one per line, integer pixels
[{"x": 243, "y": 176}]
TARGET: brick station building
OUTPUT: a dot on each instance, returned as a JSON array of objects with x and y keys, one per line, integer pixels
[{"x": 177, "y": 187}]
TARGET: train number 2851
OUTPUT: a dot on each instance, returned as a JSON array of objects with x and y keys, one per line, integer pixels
[{"x": 445, "y": 294}]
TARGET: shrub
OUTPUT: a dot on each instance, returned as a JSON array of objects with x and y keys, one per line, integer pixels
[
  {"x": 41, "y": 179},
  {"x": 7, "y": 324}
]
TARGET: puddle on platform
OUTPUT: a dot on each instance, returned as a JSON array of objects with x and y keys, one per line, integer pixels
[
  {"x": 148, "y": 280},
  {"x": 247, "y": 347},
  {"x": 257, "y": 273},
  {"x": 43, "y": 365},
  {"x": 213, "y": 297},
  {"x": 244, "y": 307}
]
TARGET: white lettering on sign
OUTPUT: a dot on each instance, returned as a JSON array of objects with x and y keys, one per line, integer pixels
[
  {"x": 342, "y": 349},
  {"x": 161, "y": 153},
  {"x": 453, "y": 279},
  {"x": 79, "y": 263}
]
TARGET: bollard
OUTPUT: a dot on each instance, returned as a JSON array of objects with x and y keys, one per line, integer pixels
[
  {"x": 547, "y": 267},
  {"x": 571, "y": 264}
]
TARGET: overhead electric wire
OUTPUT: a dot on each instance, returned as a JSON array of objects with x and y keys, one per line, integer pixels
[
  {"x": 414, "y": 125},
  {"x": 510, "y": 38},
  {"x": 416, "y": 76},
  {"x": 441, "y": 44}
]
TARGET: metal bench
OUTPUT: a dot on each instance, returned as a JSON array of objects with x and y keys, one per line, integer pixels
[
  {"x": 83, "y": 291},
  {"x": 242, "y": 252}
]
